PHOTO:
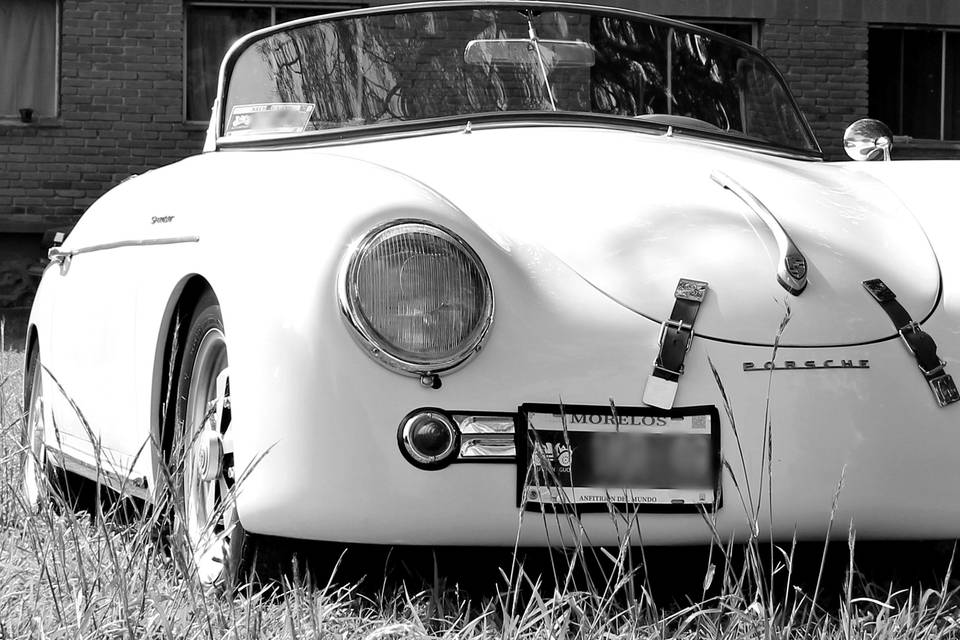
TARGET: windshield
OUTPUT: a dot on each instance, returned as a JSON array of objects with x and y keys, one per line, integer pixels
[{"x": 416, "y": 65}]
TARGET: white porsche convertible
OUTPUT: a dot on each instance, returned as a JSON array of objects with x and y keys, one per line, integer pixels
[{"x": 444, "y": 269}]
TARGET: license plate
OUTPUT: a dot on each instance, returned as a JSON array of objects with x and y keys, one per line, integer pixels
[{"x": 597, "y": 458}]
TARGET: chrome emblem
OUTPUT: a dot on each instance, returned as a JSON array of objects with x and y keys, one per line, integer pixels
[
  {"x": 796, "y": 266},
  {"x": 691, "y": 290}
]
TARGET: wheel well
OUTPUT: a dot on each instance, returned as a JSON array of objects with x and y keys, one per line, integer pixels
[{"x": 180, "y": 310}]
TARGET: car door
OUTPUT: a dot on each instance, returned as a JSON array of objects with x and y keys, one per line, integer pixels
[{"x": 90, "y": 356}]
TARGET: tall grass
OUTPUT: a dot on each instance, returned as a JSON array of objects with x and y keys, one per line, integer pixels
[{"x": 99, "y": 575}]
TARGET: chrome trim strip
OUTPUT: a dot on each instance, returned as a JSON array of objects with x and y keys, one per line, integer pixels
[
  {"x": 792, "y": 266},
  {"x": 481, "y": 424},
  {"x": 59, "y": 254},
  {"x": 129, "y": 485},
  {"x": 488, "y": 448},
  {"x": 478, "y": 122}
]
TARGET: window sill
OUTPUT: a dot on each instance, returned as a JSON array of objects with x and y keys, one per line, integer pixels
[
  {"x": 37, "y": 123},
  {"x": 195, "y": 125},
  {"x": 905, "y": 147},
  {"x": 36, "y": 224},
  {"x": 926, "y": 143}
]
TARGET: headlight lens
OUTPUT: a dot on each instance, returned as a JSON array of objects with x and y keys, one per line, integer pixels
[{"x": 418, "y": 297}]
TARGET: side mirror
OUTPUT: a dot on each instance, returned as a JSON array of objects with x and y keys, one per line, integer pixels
[{"x": 868, "y": 139}]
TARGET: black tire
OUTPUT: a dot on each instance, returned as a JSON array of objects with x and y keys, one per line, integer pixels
[
  {"x": 35, "y": 497},
  {"x": 239, "y": 550}
]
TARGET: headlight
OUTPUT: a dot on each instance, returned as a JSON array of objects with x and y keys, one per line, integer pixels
[{"x": 417, "y": 296}]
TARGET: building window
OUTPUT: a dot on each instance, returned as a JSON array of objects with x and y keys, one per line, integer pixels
[
  {"x": 28, "y": 57},
  {"x": 915, "y": 81},
  {"x": 745, "y": 31},
  {"x": 211, "y": 29}
]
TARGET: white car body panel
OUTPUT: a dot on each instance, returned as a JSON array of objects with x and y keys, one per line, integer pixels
[
  {"x": 585, "y": 231},
  {"x": 616, "y": 208},
  {"x": 306, "y": 394}
]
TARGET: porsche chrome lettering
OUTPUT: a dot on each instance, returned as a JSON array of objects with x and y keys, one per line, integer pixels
[{"x": 790, "y": 365}]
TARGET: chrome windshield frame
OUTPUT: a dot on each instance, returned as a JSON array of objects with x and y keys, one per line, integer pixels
[{"x": 216, "y": 140}]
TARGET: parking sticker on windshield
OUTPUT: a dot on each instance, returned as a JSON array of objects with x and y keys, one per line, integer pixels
[{"x": 275, "y": 117}]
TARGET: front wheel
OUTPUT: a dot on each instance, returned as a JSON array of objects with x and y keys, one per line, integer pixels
[{"x": 204, "y": 513}]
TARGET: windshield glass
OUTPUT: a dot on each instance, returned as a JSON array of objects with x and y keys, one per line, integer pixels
[{"x": 415, "y": 65}]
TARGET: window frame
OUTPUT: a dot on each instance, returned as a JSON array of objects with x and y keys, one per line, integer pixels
[
  {"x": 942, "y": 31},
  {"x": 706, "y": 23},
  {"x": 216, "y": 140},
  {"x": 328, "y": 7},
  {"x": 57, "y": 74}
]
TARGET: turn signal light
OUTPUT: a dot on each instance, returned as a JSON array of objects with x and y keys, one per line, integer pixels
[{"x": 429, "y": 439}]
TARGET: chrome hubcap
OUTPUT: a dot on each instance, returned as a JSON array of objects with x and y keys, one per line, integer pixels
[
  {"x": 206, "y": 517},
  {"x": 209, "y": 456}
]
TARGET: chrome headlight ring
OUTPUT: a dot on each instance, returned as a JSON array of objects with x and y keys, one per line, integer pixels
[{"x": 375, "y": 344}]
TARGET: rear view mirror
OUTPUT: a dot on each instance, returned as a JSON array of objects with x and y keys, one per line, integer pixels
[{"x": 522, "y": 52}]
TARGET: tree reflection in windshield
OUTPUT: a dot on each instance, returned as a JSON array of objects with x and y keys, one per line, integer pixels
[{"x": 402, "y": 66}]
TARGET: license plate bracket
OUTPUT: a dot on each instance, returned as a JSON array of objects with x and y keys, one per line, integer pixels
[{"x": 591, "y": 458}]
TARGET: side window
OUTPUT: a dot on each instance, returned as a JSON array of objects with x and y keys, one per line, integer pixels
[
  {"x": 28, "y": 57},
  {"x": 212, "y": 27}
]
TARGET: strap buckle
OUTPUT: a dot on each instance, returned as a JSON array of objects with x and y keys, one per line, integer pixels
[
  {"x": 932, "y": 372},
  {"x": 909, "y": 330},
  {"x": 661, "y": 388},
  {"x": 680, "y": 326},
  {"x": 911, "y": 327}
]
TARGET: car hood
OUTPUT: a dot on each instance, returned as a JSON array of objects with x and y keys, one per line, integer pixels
[{"x": 632, "y": 213}]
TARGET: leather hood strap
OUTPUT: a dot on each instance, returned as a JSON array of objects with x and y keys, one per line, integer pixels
[{"x": 920, "y": 343}]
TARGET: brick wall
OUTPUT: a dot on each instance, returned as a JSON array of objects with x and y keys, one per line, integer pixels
[
  {"x": 825, "y": 64},
  {"x": 120, "y": 112},
  {"x": 121, "y": 73}
]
